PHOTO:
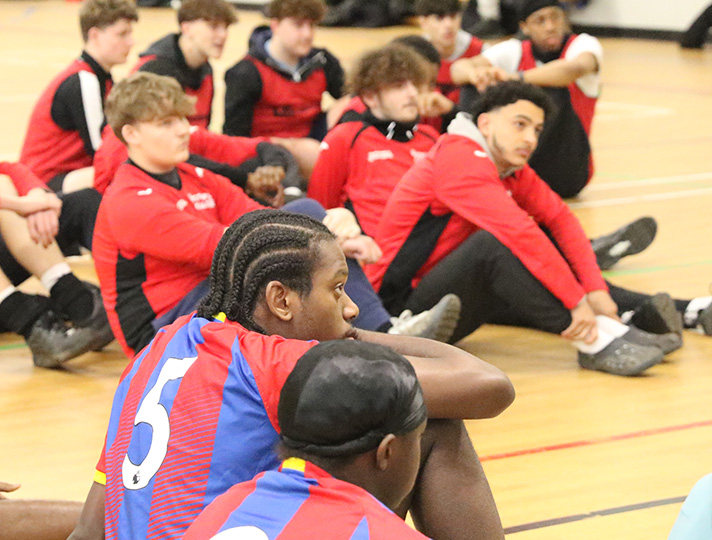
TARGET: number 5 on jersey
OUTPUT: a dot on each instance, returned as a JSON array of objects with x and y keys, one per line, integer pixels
[{"x": 151, "y": 412}]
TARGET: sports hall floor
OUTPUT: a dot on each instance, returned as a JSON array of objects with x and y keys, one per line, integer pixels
[{"x": 579, "y": 455}]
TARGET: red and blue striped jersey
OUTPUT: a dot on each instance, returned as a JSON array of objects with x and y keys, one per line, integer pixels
[
  {"x": 299, "y": 502},
  {"x": 194, "y": 414}
]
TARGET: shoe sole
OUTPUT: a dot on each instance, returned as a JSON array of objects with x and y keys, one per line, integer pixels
[
  {"x": 705, "y": 321},
  {"x": 629, "y": 240},
  {"x": 445, "y": 316},
  {"x": 665, "y": 311}
]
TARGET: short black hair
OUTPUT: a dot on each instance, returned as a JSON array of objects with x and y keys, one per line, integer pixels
[
  {"x": 262, "y": 246},
  {"x": 508, "y": 92},
  {"x": 424, "y": 8},
  {"x": 420, "y": 45}
]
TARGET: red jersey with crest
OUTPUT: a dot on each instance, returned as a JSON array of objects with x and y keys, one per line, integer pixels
[
  {"x": 359, "y": 166},
  {"x": 153, "y": 242}
]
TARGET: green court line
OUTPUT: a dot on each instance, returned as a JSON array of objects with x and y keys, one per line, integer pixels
[
  {"x": 12, "y": 346},
  {"x": 653, "y": 269}
]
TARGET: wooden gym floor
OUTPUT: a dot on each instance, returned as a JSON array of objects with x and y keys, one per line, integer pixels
[{"x": 579, "y": 455}]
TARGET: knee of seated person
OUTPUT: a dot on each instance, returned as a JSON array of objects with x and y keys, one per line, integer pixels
[
  {"x": 6, "y": 186},
  {"x": 306, "y": 206},
  {"x": 442, "y": 432}
]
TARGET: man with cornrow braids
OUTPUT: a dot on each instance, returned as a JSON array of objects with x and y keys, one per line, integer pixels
[{"x": 276, "y": 290}]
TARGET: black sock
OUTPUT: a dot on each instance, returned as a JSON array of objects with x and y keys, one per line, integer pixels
[
  {"x": 72, "y": 298},
  {"x": 19, "y": 311}
]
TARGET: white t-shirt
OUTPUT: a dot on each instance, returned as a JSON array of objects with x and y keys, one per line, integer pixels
[{"x": 508, "y": 54}]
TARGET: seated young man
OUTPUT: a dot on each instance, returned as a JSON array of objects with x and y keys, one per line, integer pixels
[
  {"x": 361, "y": 161},
  {"x": 348, "y": 462},
  {"x": 161, "y": 218},
  {"x": 472, "y": 218},
  {"x": 568, "y": 67},
  {"x": 277, "y": 89},
  {"x": 440, "y": 22},
  {"x": 72, "y": 320},
  {"x": 65, "y": 127},
  {"x": 277, "y": 287},
  {"x": 185, "y": 56}
]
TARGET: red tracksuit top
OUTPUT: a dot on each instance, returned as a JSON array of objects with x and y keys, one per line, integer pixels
[
  {"x": 153, "y": 243},
  {"x": 458, "y": 178},
  {"x": 359, "y": 166}
]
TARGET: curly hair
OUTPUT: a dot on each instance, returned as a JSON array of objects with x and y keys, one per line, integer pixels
[
  {"x": 508, "y": 92},
  {"x": 209, "y": 10},
  {"x": 387, "y": 66}
]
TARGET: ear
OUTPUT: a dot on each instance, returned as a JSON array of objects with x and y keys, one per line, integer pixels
[
  {"x": 280, "y": 300},
  {"x": 92, "y": 34},
  {"x": 370, "y": 98},
  {"x": 484, "y": 123},
  {"x": 523, "y": 27},
  {"x": 185, "y": 27},
  {"x": 385, "y": 451},
  {"x": 130, "y": 134},
  {"x": 273, "y": 24}
]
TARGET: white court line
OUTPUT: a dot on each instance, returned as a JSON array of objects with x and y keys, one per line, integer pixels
[
  {"x": 697, "y": 177},
  {"x": 612, "y": 110},
  {"x": 641, "y": 198}
]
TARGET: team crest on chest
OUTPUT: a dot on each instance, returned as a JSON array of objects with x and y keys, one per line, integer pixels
[
  {"x": 379, "y": 155},
  {"x": 202, "y": 201}
]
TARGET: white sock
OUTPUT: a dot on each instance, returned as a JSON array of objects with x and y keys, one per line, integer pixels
[
  {"x": 694, "y": 307},
  {"x": 612, "y": 326},
  {"x": 602, "y": 341},
  {"x": 51, "y": 276},
  {"x": 6, "y": 292},
  {"x": 627, "y": 316}
]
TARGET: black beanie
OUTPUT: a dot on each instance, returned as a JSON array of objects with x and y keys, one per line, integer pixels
[
  {"x": 343, "y": 397},
  {"x": 530, "y": 6}
]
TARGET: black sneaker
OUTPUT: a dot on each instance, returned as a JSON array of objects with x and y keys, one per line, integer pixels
[
  {"x": 628, "y": 240},
  {"x": 658, "y": 315},
  {"x": 97, "y": 322},
  {"x": 666, "y": 342},
  {"x": 620, "y": 357},
  {"x": 53, "y": 341}
]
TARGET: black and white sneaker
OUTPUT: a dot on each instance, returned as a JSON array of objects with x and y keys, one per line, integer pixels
[
  {"x": 438, "y": 322},
  {"x": 621, "y": 357},
  {"x": 53, "y": 341},
  {"x": 628, "y": 240}
]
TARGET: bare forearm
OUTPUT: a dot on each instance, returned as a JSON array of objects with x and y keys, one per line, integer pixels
[
  {"x": 455, "y": 383},
  {"x": 91, "y": 521},
  {"x": 24, "y": 519},
  {"x": 560, "y": 73}
]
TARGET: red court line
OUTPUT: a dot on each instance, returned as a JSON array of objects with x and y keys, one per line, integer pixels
[{"x": 600, "y": 440}]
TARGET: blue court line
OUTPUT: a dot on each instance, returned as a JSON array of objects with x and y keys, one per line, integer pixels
[{"x": 596, "y": 513}]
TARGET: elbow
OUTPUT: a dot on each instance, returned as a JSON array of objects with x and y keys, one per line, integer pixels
[{"x": 495, "y": 392}]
